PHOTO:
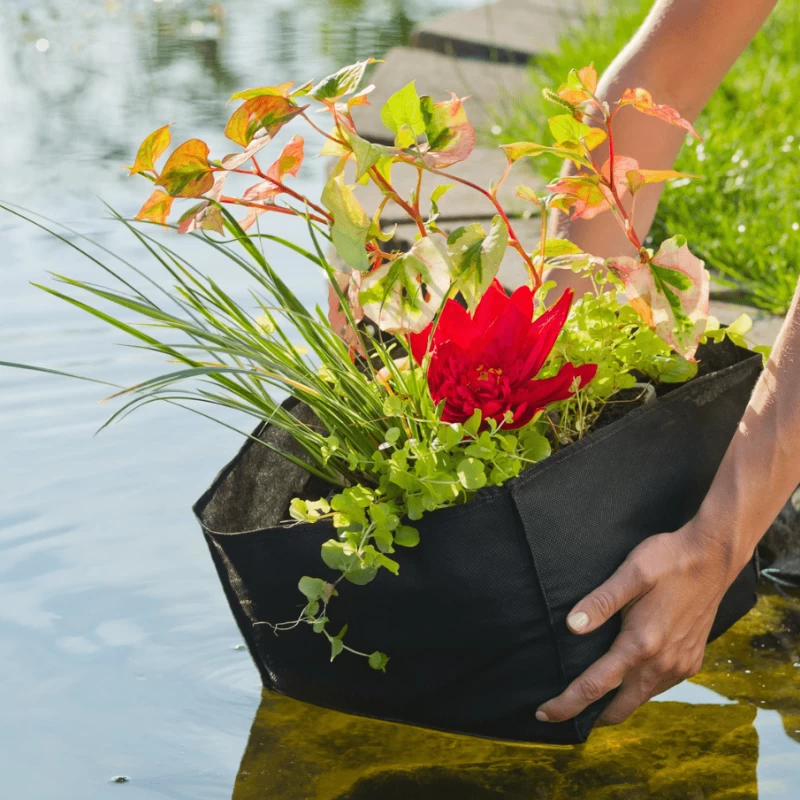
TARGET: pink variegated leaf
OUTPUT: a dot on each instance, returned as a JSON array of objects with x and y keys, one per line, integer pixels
[
  {"x": 580, "y": 85},
  {"x": 670, "y": 292},
  {"x": 235, "y": 160},
  {"x": 265, "y": 192},
  {"x": 451, "y": 137},
  {"x": 206, "y": 215},
  {"x": 349, "y": 284},
  {"x": 642, "y": 101}
]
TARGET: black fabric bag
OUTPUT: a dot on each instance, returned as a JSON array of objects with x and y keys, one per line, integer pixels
[{"x": 475, "y": 622}]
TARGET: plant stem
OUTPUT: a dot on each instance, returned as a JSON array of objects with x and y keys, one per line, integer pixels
[
  {"x": 381, "y": 181},
  {"x": 536, "y": 277},
  {"x": 279, "y": 209}
]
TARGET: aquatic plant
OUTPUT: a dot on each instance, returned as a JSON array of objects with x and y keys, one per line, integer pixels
[{"x": 420, "y": 402}]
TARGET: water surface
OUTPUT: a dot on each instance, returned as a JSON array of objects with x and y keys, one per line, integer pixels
[{"x": 119, "y": 654}]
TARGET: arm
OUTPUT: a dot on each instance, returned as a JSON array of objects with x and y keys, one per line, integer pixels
[
  {"x": 669, "y": 588},
  {"x": 680, "y": 55},
  {"x": 672, "y": 584}
]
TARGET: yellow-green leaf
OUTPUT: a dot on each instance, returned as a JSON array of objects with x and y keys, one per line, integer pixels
[
  {"x": 264, "y": 112},
  {"x": 150, "y": 150},
  {"x": 156, "y": 208},
  {"x": 637, "y": 178},
  {"x": 187, "y": 172},
  {"x": 402, "y": 115}
]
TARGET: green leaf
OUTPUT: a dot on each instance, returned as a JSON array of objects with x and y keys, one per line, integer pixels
[
  {"x": 392, "y": 435},
  {"x": 471, "y": 474},
  {"x": 406, "y": 536},
  {"x": 476, "y": 257},
  {"x": 568, "y": 133},
  {"x": 334, "y": 556},
  {"x": 312, "y": 588},
  {"x": 402, "y": 115},
  {"x": 341, "y": 83},
  {"x": 351, "y": 224},
  {"x": 378, "y": 660},
  {"x": 535, "y": 446},
  {"x": 404, "y": 295},
  {"x": 765, "y": 351},
  {"x": 741, "y": 326},
  {"x": 337, "y": 646},
  {"x": 366, "y": 154}
]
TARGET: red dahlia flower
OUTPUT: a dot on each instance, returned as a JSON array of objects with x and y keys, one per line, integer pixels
[{"x": 490, "y": 361}]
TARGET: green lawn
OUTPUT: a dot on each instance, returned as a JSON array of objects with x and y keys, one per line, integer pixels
[{"x": 744, "y": 217}]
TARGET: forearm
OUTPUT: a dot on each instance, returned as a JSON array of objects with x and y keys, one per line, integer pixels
[
  {"x": 761, "y": 468},
  {"x": 680, "y": 55}
]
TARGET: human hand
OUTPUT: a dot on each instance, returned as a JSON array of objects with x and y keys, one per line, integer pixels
[{"x": 668, "y": 589}]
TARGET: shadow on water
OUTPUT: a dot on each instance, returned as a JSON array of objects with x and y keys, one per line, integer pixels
[{"x": 669, "y": 750}]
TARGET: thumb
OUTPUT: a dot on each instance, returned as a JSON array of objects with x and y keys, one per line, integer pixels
[{"x": 628, "y": 583}]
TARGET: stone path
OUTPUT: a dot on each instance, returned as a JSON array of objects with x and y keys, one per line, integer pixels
[{"x": 509, "y": 30}]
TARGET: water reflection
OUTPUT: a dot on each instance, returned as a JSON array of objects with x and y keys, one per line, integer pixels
[{"x": 669, "y": 750}]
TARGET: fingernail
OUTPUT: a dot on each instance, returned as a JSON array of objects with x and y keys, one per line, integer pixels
[
  {"x": 542, "y": 717},
  {"x": 578, "y": 621}
]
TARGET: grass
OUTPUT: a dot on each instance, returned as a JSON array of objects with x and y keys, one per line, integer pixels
[{"x": 744, "y": 218}]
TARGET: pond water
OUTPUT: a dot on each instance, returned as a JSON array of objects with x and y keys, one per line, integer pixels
[{"x": 119, "y": 654}]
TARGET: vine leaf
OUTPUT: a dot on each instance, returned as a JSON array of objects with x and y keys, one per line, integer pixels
[
  {"x": 264, "y": 112},
  {"x": 351, "y": 225},
  {"x": 669, "y": 291},
  {"x": 451, "y": 137},
  {"x": 476, "y": 256},
  {"x": 265, "y": 192},
  {"x": 341, "y": 83},
  {"x": 156, "y": 208},
  {"x": 150, "y": 150},
  {"x": 187, "y": 172},
  {"x": 404, "y": 295},
  {"x": 207, "y": 215},
  {"x": 642, "y": 101},
  {"x": 637, "y": 178}
]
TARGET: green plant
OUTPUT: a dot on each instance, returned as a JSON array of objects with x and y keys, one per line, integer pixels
[
  {"x": 742, "y": 219},
  {"x": 457, "y": 398}
]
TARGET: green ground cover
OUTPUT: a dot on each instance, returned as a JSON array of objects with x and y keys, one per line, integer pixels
[{"x": 744, "y": 217}]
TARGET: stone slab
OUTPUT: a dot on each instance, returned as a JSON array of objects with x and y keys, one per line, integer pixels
[
  {"x": 461, "y": 202},
  {"x": 512, "y": 271},
  {"x": 492, "y": 87},
  {"x": 510, "y": 31}
]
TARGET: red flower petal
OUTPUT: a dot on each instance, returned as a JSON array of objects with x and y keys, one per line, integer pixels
[
  {"x": 543, "y": 334},
  {"x": 490, "y": 308},
  {"x": 419, "y": 343}
]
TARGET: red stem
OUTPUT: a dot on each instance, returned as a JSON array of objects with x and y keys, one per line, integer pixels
[
  {"x": 379, "y": 179},
  {"x": 515, "y": 242},
  {"x": 279, "y": 209}
]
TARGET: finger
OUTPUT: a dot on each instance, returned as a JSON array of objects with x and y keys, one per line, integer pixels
[
  {"x": 628, "y": 583},
  {"x": 633, "y": 694},
  {"x": 605, "y": 674}
]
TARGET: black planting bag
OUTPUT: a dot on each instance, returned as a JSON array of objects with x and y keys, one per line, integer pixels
[{"x": 475, "y": 622}]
